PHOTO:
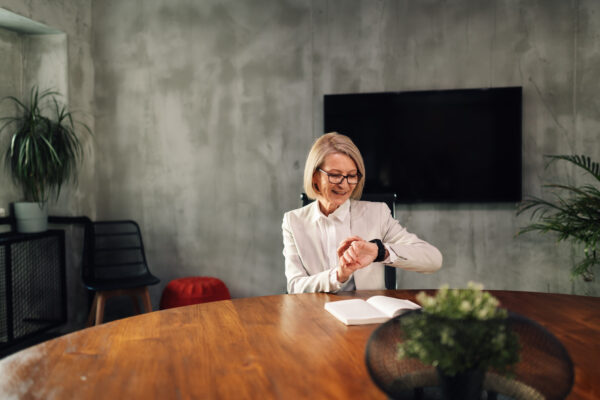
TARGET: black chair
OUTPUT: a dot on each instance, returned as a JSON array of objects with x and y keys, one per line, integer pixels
[
  {"x": 116, "y": 265},
  {"x": 390, "y": 200}
]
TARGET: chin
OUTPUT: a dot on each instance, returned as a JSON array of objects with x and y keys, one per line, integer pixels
[{"x": 339, "y": 202}]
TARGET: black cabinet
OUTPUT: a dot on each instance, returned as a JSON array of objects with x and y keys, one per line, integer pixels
[{"x": 32, "y": 286}]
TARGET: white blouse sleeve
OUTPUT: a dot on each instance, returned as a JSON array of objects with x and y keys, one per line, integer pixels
[
  {"x": 298, "y": 279},
  {"x": 407, "y": 251}
]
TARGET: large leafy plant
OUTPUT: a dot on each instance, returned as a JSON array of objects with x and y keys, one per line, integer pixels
[
  {"x": 573, "y": 214},
  {"x": 460, "y": 330},
  {"x": 44, "y": 150}
]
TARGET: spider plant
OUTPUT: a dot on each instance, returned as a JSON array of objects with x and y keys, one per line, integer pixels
[
  {"x": 573, "y": 214},
  {"x": 44, "y": 150}
]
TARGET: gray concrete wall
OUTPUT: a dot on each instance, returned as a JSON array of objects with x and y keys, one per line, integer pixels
[
  {"x": 45, "y": 64},
  {"x": 11, "y": 65},
  {"x": 61, "y": 60},
  {"x": 203, "y": 118},
  {"x": 28, "y": 60},
  {"x": 205, "y": 112}
]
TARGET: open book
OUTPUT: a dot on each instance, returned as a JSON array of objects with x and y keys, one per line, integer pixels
[{"x": 375, "y": 310}]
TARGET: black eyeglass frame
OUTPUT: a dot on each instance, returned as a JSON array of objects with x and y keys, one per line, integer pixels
[{"x": 347, "y": 177}]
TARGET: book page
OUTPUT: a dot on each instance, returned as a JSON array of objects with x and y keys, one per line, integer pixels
[
  {"x": 392, "y": 306},
  {"x": 355, "y": 312}
]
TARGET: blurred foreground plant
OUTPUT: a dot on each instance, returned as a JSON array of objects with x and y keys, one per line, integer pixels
[{"x": 460, "y": 330}]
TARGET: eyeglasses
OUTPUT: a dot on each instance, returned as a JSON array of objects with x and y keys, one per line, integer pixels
[{"x": 336, "y": 179}]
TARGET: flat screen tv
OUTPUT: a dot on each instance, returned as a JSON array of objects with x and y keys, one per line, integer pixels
[{"x": 435, "y": 146}]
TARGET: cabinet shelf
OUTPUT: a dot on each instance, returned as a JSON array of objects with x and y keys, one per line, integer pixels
[{"x": 32, "y": 286}]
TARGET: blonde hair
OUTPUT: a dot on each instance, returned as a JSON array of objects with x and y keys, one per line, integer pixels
[{"x": 328, "y": 144}]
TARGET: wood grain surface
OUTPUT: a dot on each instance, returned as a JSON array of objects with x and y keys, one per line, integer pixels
[{"x": 273, "y": 347}]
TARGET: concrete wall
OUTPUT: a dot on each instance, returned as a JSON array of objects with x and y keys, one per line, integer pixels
[
  {"x": 61, "y": 60},
  {"x": 205, "y": 112},
  {"x": 45, "y": 63},
  {"x": 28, "y": 60},
  {"x": 11, "y": 65},
  {"x": 203, "y": 120}
]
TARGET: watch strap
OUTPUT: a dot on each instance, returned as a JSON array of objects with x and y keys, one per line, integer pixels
[{"x": 380, "y": 250}]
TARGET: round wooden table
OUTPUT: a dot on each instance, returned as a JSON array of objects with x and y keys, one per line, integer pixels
[{"x": 284, "y": 347}]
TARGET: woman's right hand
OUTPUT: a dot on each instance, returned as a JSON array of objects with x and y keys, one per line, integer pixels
[{"x": 346, "y": 268}]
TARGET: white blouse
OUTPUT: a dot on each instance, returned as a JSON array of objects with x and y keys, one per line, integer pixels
[{"x": 311, "y": 239}]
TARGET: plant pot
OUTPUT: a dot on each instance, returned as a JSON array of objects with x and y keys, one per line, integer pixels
[
  {"x": 463, "y": 386},
  {"x": 31, "y": 217}
]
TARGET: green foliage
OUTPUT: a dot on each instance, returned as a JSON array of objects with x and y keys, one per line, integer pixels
[
  {"x": 574, "y": 214},
  {"x": 44, "y": 150},
  {"x": 458, "y": 331}
]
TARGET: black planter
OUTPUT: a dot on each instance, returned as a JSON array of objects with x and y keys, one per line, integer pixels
[{"x": 464, "y": 386}]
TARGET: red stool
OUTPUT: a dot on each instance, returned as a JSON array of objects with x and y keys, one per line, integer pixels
[{"x": 193, "y": 290}]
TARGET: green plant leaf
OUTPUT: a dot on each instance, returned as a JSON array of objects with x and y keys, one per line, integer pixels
[
  {"x": 573, "y": 214},
  {"x": 45, "y": 148},
  {"x": 582, "y": 161}
]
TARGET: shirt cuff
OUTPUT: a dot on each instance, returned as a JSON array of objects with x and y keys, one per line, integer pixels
[
  {"x": 392, "y": 256},
  {"x": 334, "y": 284}
]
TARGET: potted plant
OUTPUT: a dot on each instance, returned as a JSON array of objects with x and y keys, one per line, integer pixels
[
  {"x": 463, "y": 334},
  {"x": 43, "y": 153},
  {"x": 574, "y": 215}
]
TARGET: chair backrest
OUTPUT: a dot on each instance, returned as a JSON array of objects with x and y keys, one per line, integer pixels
[
  {"x": 117, "y": 252},
  {"x": 390, "y": 200}
]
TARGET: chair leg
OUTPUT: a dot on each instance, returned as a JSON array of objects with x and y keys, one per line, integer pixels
[
  {"x": 100, "y": 307},
  {"x": 146, "y": 299},
  {"x": 136, "y": 304},
  {"x": 92, "y": 314},
  {"x": 97, "y": 311}
]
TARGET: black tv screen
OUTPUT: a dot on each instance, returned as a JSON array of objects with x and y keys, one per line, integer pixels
[{"x": 440, "y": 146}]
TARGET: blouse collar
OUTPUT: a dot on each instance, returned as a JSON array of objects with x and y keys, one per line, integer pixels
[{"x": 340, "y": 214}]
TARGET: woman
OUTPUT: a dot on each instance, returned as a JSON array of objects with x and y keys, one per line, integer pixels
[{"x": 338, "y": 242}]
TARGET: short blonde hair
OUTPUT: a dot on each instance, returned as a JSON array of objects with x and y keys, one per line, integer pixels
[{"x": 328, "y": 144}]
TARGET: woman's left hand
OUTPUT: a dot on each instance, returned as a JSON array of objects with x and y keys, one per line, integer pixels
[{"x": 360, "y": 253}]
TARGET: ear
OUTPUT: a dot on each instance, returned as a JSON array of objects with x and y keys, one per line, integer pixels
[{"x": 315, "y": 184}]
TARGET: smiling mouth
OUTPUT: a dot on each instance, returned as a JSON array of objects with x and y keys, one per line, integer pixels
[{"x": 339, "y": 193}]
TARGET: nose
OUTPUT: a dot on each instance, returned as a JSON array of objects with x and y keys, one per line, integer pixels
[{"x": 344, "y": 182}]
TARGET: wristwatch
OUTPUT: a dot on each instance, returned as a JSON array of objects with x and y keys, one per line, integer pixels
[{"x": 380, "y": 250}]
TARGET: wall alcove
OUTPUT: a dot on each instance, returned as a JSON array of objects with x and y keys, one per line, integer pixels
[{"x": 31, "y": 53}]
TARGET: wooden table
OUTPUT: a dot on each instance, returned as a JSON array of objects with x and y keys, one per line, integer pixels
[{"x": 284, "y": 347}]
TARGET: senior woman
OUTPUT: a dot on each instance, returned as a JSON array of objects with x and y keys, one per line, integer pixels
[{"x": 338, "y": 242}]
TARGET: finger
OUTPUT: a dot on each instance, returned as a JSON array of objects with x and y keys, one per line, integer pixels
[
  {"x": 341, "y": 250},
  {"x": 352, "y": 252},
  {"x": 365, "y": 249},
  {"x": 356, "y": 246},
  {"x": 343, "y": 246},
  {"x": 352, "y": 238},
  {"x": 350, "y": 258},
  {"x": 346, "y": 241},
  {"x": 357, "y": 250},
  {"x": 347, "y": 258},
  {"x": 349, "y": 240},
  {"x": 360, "y": 244}
]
